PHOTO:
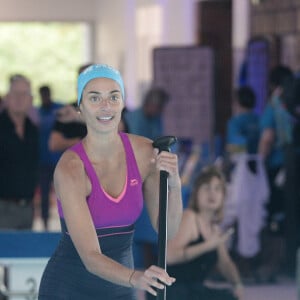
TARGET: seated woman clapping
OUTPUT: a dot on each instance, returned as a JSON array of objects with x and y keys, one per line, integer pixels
[{"x": 200, "y": 244}]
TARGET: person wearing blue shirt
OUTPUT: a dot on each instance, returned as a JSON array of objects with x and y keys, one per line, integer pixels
[
  {"x": 276, "y": 134},
  {"x": 291, "y": 101},
  {"x": 242, "y": 138},
  {"x": 147, "y": 121},
  {"x": 48, "y": 159},
  {"x": 243, "y": 127}
]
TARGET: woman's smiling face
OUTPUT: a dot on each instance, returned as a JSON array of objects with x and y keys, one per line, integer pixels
[{"x": 102, "y": 104}]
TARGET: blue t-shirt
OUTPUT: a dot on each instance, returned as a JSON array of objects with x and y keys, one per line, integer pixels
[
  {"x": 138, "y": 123},
  {"x": 267, "y": 121},
  {"x": 151, "y": 128},
  {"x": 243, "y": 130},
  {"x": 47, "y": 119}
]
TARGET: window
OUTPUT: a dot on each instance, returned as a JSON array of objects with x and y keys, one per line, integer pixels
[{"x": 47, "y": 53}]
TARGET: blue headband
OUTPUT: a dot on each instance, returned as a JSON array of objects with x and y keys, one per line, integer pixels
[{"x": 98, "y": 71}]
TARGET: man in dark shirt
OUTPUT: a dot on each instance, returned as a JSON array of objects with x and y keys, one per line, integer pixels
[
  {"x": 18, "y": 157},
  {"x": 69, "y": 127}
]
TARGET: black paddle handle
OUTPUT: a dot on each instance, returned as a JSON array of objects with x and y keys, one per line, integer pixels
[{"x": 163, "y": 144}]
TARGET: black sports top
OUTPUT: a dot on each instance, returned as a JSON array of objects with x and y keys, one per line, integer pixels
[{"x": 196, "y": 269}]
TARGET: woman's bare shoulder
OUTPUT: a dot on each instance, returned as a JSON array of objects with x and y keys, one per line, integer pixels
[
  {"x": 138, "y": 141},
  {"x": 142, "y": 147},
  {"x": 70, "y": 164},
  {"x": 143, "y": 152},
  {"x": 188, "y": 216},
  {"x": 188, "y": 230},
  {"x": 70, "y": 176},
  {"x": 188, "y": 212}
]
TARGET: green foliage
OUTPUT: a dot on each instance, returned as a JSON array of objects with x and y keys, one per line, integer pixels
[{"x": 48, "y": 53}]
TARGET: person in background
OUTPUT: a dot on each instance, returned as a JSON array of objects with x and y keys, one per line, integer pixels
[
  {"x": 200, "y": 244},
  {"x": 291, "y": 101},
  {"x": 48, "y": 159},
  {"x": 276, "y": 134},
  {"x": 123, "y": 125},
  {"x": 69, "y": 128},
  {"x": 242, "y": 164},
  {"x": 147, "y": 121},
  {"x": 1, "y": 103},
  {"x": 243, "y": 128},
  {"x": 101, "y": 183},
  {"x": 19, "y": 155}
]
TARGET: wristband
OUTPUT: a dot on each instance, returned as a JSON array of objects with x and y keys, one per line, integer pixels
[
  {"x": 130, "y": 277},
  {"x": 238, "y": 285}
]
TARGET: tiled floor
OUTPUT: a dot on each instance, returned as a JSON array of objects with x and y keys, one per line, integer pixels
[{"x": 285, "y": 289}]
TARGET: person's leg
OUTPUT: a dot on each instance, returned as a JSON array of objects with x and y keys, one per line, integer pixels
[
  {"x": 7, "y": 218},
  {"x": 292, "y": 197},
  {"x": 25, "y": 216},
  {"x": 46, "y": 177},
  {"x": 273, "y": 233},
  {"x": 16, "y": 215}
]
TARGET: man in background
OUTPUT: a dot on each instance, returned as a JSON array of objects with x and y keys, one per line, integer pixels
[
  {"x": 147, "y": 121},
  {"x": 19, "y": 154},
  {"x": 68, "y": 128},
  {"x": 48, "y": 159},
  {"x": 276, "y": 136},
  {"x": 243, "y": 128}
]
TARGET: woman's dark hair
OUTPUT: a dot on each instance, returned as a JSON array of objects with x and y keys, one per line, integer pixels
[
  {"x": 205, "y": 176},
  {"x": 279, "y": 75},
  {"x": 45, "y": 90},
  {"x": 246, "y": 97},
  {"x": 291, "y": 97},
  {"x": 124, "y": 120},
  {"x": 157, "y": 95}
]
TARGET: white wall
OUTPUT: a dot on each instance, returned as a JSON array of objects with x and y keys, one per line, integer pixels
[
  {"x": 112, "y": 32},
  {"x": 112, "y": 24},
  {"x": 179, "y": 22},
  {"x": 48, "y": 10},
  {"x": 240, "y": 33},
  {"x": 115, "y": 39},
  {"x": 118, "y": 42}
]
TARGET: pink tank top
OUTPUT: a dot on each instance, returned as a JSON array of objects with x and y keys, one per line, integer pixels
[{"x": 105, "y": 210}]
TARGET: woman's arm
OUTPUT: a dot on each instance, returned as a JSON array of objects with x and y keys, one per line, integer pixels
[
  {"x": 72, "y": 187},
  {"x": 164, "y": 161},
  {"x": 229, "y": 270},
  {"x": 179, "y": 249},
  {"x": 57, "y": 141},
  {"x": 265, "y": 143}
]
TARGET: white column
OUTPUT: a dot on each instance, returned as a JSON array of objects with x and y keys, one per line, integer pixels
[
  {"x": 240, "y": 33},
  {"x": 89, "y": 42},
  {"x": 129, "y": 62},
  {"x": 179, "y": 22},
  {"x": 115, "y": 41}
]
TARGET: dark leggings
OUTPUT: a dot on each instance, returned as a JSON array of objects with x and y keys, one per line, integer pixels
[{"x": 46, "y": 178}]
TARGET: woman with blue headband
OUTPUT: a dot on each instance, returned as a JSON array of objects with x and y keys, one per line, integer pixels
[{"x": 101, "y": 184}]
